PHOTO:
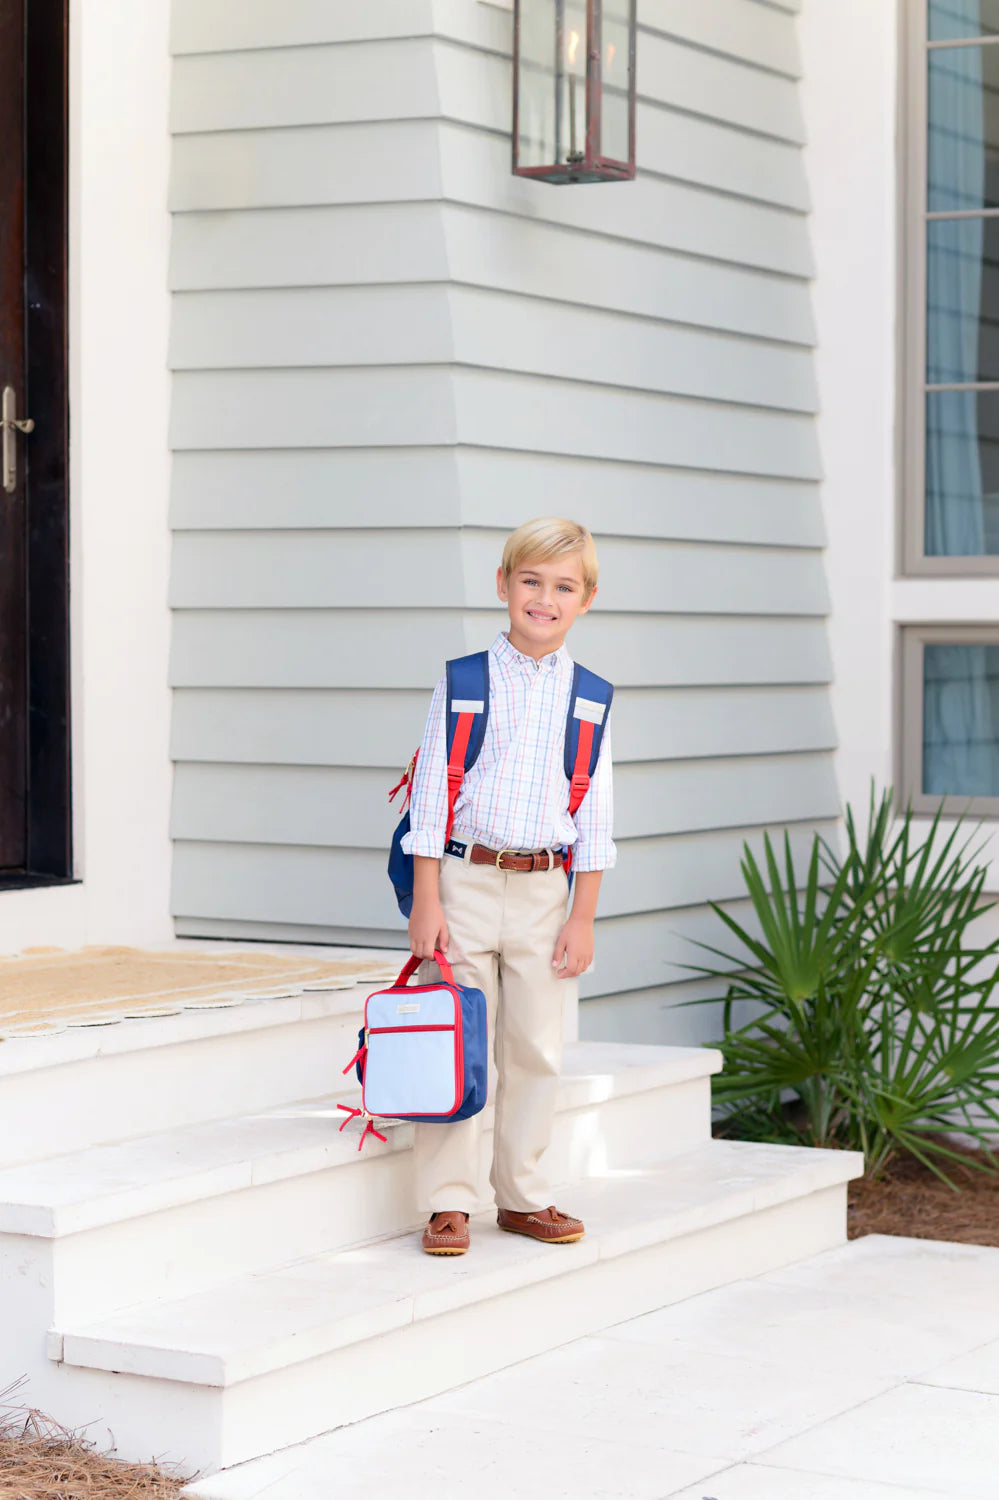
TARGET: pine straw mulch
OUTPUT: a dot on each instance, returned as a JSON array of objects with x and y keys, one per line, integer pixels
[
  {"x": 39, "y": 1460},
  {"x": 908, "y": 1199}
]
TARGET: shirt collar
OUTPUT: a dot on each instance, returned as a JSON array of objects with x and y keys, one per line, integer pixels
[{"x": 510, "y": 656}]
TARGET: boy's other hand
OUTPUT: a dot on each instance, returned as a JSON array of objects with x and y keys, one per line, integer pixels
[
  {"x": 575, "y": 943},
  {"x": 427, "y": 929}
]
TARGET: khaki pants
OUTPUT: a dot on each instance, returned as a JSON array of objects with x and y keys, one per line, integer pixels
[{"x": 502, "y": 930}]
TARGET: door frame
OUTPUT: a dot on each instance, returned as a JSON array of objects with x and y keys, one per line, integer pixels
[{"x": 46, "y": 456}]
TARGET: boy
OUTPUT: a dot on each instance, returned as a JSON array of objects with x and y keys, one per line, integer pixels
[{"x": 499, "y": 914}]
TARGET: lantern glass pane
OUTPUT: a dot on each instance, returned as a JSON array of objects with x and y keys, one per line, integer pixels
[
  {"x": 536, "y": 83},
  {"x": 615, "y": 133}
]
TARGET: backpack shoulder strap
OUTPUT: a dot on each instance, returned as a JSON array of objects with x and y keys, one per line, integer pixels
[
  {"x": 467, "y": 715},
  {"x": 589, "y": 704}
]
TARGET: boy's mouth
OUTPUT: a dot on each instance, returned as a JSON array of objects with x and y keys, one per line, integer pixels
[{"x": 534, "y": 614}]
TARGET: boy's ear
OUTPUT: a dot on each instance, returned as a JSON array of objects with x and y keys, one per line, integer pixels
[
  {"x": 584, "y": 607},
  {"x": 501, "y": 589}
]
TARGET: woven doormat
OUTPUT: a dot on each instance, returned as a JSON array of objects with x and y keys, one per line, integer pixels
[{"x": 51, "y": 990}]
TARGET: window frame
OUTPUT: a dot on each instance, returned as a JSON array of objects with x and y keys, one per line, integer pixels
[
  {"x": 913, "y": 125},
  {"x": 912, "y": 639}
]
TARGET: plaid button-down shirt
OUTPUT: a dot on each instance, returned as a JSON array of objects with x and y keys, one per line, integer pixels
[{"x": 516, "y": 795}]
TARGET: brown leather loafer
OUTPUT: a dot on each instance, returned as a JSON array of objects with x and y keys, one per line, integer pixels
[
  {"x": 543, "y": 1224},
  {"x": 446, "y": 1234}
]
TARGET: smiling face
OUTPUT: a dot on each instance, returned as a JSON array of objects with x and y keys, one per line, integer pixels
[{"x": 544, "y": 599}]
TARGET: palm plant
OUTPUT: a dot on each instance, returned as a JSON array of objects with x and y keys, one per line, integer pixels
[{"x": 873, "y": 1024}]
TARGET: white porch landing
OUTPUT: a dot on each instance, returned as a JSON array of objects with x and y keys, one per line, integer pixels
[{"x": 870, "y": 1372}]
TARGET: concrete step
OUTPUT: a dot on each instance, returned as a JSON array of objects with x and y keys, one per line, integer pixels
[
  {"x": 270, "y": 1359},
  {"x": 97, "y": 1084},
  {"x": 170, "y": 1214}
]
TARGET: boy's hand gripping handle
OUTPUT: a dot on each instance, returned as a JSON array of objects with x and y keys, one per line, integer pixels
[{"x": 414, "y": 963}]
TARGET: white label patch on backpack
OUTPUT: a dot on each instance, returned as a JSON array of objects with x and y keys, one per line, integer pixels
[
  {"x": 407, "y": 1010},
  {"x": 587, "y": 709},
  {"x": 467, "y": 705}
]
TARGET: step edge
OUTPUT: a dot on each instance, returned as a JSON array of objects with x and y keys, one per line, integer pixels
[
  {"x": 611, "y": 1245},
  {"x": 44, "y": 1220},
  {"x": 36, "y": 1052}
]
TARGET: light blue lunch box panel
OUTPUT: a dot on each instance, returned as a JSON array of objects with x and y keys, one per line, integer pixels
[
  {"x": 411, "y": 1073},
  {"x": 402, "y": 1007}
]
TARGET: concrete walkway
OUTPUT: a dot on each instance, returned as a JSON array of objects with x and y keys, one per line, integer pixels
[{"x": 868, "y": 1373}]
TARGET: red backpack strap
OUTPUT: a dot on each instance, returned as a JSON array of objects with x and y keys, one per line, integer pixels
[
  {"x": 466, "y": 717},
  {"x": 589, "y": 704},
  {"x": 456, "y": 765}
]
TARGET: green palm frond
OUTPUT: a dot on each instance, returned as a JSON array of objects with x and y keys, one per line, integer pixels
[{"x": 873, "y": 1017}]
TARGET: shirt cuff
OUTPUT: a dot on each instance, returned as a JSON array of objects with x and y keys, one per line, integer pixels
[
  {"x": 427, "y": 842},
  {"x": 601, "y": 855}
]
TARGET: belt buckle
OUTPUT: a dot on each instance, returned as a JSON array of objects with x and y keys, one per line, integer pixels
[{"x": 500, "y": 856}]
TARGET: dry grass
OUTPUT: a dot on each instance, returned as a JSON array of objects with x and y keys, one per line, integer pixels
[{"x": 40, "y": 1460}]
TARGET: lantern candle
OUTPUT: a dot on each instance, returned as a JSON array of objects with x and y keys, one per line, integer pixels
[{"x": 572, "y": 49}]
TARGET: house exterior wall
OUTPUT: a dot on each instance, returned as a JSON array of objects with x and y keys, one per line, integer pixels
[
  {"x": 119, "y": 228},
  {"x": 388, "y": 352}
]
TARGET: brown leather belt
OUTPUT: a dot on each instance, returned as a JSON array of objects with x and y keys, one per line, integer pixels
[{"x": 508, "y": 859}]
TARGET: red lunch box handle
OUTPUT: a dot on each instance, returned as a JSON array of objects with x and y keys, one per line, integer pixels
[{"x": 414, "y": 963}]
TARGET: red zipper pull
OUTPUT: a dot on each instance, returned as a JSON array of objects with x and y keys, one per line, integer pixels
[{"x": 361, "y": 1051}]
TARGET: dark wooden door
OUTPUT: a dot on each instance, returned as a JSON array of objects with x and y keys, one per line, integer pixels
[
  {"x": 35, "y": 813},
  {"x": 13, "y": 373}
]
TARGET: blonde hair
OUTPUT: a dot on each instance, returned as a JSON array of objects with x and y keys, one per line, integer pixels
[{"x": 547, "y": 538}]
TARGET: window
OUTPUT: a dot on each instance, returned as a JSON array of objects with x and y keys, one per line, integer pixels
[
  {"x": 950, "y": 315},
  {"x": 950, "y": 739}
]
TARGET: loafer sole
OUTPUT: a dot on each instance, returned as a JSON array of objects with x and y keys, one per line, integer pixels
[
  {"x": 461, "y": 1250},
  {"x": 544, "y": 1239}
]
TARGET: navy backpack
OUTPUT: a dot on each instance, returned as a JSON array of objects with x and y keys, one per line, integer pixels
[{"x": 467, "y": 713}]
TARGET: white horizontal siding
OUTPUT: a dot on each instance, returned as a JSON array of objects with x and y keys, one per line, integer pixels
[
  {"x": 344, "y": 727},
  {"x": 356, "y": 245},
  {"x": 322, "y": 806},
  {"x": 271, "y": 883},
  {"x": 375, "y": 163},
  {"x": 388, "y": 352},
  {"x": 382, "y": 80},
  {"x": 325, "y": 83},
  {"x": 379, "y": 570},
  {"x": 406, "y": 648},
  {"x": 221, "y": 26},
  {"x": 754, "y": 34},
  {"x": 750, "y": 31},
  {"x": 283, "y": 489},
  {"x": 418, "y": 160},
  {"x": 326, "y": 407},
  {"x": 346, "y": 326}
]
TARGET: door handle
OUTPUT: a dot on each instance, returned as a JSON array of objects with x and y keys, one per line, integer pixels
[{"x": 11, "y": 425}]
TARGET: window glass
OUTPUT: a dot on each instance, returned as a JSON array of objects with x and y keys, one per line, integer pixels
[
  {"x": 952, "y": 20},
  {"x": 962, "y": 301},
  {"x": 614, "y": 132},
  {"x": 961, "y": 720},
  {"x": 963, "y": 128},
  {"x": 962, "y": 473}
]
